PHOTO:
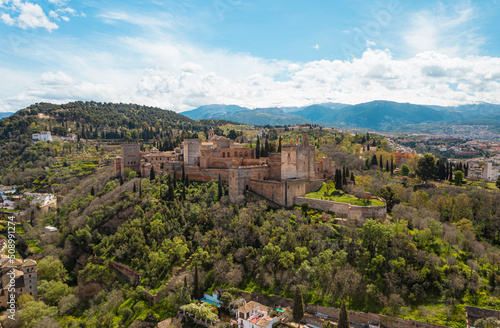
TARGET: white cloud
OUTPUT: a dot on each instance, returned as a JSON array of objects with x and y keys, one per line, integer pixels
[
  {"x": 423, "y": 79},
  {"x": 448, "y": 30},
  {"x": 32, "y": 16},
  {"x": 7, "y": 19},
  {"x": 370, "y": 43},
  {"x": 53, "y": 14},
  {"x": 316, "y": 46}
]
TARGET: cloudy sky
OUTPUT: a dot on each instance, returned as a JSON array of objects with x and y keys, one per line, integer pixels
[{"x": 182, "y": 54}]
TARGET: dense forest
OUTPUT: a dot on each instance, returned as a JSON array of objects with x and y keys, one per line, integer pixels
[{"x": 437, "y": 251}]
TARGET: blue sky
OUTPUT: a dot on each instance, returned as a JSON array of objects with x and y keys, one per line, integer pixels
[{"x": 182, "y": 54}]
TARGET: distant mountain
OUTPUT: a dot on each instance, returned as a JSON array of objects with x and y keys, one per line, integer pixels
[
  {"x": 384, "y": 115},
  {"x": 266, "y": 116},
  {"x": 315, "y": 113},
  {"x": 213, "y": 111},
  {"x": 5, "y": 114},
  {"x": 377, "y": 115}
]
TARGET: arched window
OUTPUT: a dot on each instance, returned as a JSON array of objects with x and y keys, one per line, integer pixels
[
  {"x": 246, "y": 154},
  {"x": 241, "y": 154},
  {"x": 235, "y": 154},
  {"x": 223, "y": 155}
]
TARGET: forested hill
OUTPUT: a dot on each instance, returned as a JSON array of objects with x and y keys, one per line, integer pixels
[{"x": 93, "y": 115}]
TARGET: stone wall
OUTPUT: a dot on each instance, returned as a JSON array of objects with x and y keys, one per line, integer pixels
[
  {"x": 314, "y": 185},
  {"x": 272, "y": 190},
  {"x": 473, "y": 313},
  {"x": 344, "y": 209},
  {"x": 133, "y": 276},
  {"x": 239, "y": 181}
]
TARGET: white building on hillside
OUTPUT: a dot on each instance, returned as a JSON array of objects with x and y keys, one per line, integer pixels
[
  {"x": 42, "y": 136},
  {"x": 254, "y": 315},
  {"x": 485, "y": 172}
]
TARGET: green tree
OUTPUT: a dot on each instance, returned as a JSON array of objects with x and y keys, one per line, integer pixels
[
  {"x": 33, "y": 311},
  {"x": 427, "y": 167},
  {"x": 152, "y": 174},
  {"x": 459, "y": 178},
  {"x": 374, "y": 161},
  {"x": 498, "y": 182},
  {"x": 257, "y": 148},
  {"x": 52, "y": 291},
  {"x": 196, "y": 287},
  {"x": 219, "y": 188},
  {"x": 92, "y": 191},
  {"x": 298, "y": 306},
  {"x": 405, "y": 170},
  {"x": 328, "y": 324},
  {"x": 487, "y": 323},
  {"x": 305, "y": 208},
  {"x": 51, "y": 268},
  {"x": 343, "y": 317}
]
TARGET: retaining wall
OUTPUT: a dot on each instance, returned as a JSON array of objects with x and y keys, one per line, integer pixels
[{"x": 345, "y": 209}]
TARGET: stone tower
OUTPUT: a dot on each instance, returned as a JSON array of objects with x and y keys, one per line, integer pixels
[
  {"x": 297, "y": 161},
  {"x": 192, "y": 151}
]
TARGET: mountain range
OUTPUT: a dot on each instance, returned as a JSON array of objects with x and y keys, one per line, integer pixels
[{"x": 376, "y": 115}]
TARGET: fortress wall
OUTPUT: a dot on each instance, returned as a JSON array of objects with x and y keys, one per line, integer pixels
[
  {"x": 314, "y": 185},
  {"x": 294, "y": 188},
  {"x": 344, "y": 209},
  {"x": 239, "y": 181},
  {"x": 272, "y": 190}
]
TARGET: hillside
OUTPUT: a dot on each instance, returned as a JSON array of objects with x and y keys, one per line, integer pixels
[{"x": 213, "y": 111}]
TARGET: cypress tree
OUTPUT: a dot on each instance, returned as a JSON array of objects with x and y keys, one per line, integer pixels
[
  {"x": 279, "y": 145},
  {"x": 298, "y": 306},
  {"x": 152, "y": 174},
  {"x": 175, "y": 179},
  {"x": 257, "y": 148},
  {"x": 196, "y": 288},
  {"x": 183, "y": 174},
  {"x": 32, "y": 217},
  {"x": 374, "y": 160},
  {"x": 381, "y": 163},
  {"x": 121, "y": 180},
  {"x": 343, "y": 317},
  {"x": 92, "y": 191},
  {"x": 187, "y": 181},
  {"x": 183, "y": 195},
  {"x": 219, "y": 188},
  {"x": 338, "y": 179},
  {"x": 135, "y": 188},
  {"x": 387, "y": 165},
  {"x": 392, "y": 165},
  {"x": 450, "y": 178},
  {"x": 344, "y": 176},
  {"x": 353, "y": 179},
  {"x": 140, "y": 188}
]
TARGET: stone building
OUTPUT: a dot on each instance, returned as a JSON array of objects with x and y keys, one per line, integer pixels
[
  {"x": 280, "y": 177},
  {"x": 141, "y": 161},
  {"x": 19, "y": 275},
  {"x": 482, "y": 171}
]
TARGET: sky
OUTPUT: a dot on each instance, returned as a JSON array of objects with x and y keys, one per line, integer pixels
[{"x": 182, "y": 54}]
